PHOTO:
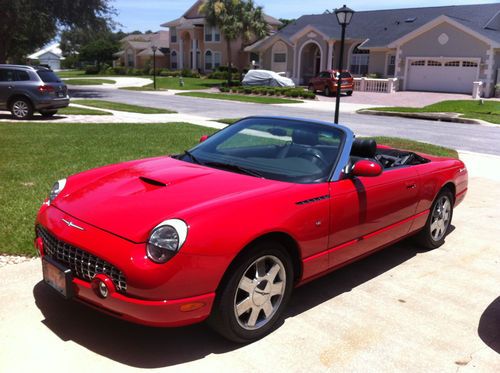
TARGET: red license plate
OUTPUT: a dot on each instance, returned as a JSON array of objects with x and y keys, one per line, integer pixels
[{"x": 57, "y": 277}]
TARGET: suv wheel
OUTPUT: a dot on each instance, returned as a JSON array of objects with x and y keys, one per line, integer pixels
[
  {"x": 21, "y": 108},
  {"x": 48, "y": 113},
  {"x": 328, "y": 93}
]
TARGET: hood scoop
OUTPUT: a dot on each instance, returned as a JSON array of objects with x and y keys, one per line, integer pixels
[{"x": 157, "y": 183}]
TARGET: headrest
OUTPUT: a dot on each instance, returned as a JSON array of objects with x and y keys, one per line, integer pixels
[
  {"x": 365, "y": 148},
  {"x": 304, "y": 137}
]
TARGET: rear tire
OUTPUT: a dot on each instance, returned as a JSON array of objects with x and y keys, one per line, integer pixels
[
  {"x": 311, "y": 88},
  {"x": 349, "y": 93},
  {"x": 48, "y": 113},
  {"x": 21, "y": 109},
  {"x": 439, "y": 221},
  {"x": 250, "y": 303},
  {"x": 328, "y": 93}
]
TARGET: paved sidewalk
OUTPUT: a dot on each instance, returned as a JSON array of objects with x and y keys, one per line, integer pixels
[{"x": 402, "y": 309}]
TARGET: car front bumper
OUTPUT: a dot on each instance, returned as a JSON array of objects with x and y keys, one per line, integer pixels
[{"x": 155, "y": 295}]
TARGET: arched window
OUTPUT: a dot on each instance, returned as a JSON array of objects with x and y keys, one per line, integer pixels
[
  {"x": 359, "y": 61},
  {"x": 173, "y": 60},
  {"x": 208, "y": 60}
]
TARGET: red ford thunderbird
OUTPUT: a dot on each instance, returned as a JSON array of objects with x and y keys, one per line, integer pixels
[{"x": 226, "y": 230}]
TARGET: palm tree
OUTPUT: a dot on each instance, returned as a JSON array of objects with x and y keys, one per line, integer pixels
[{"x": 235, "y": 18}]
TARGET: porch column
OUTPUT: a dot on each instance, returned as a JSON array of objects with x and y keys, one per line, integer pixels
[
  {"x": 330, "y": 55},
  {"x": 181, "y": 55},
  {"x": 295, "y": 62},
  {"x": 194, "y": 55}
]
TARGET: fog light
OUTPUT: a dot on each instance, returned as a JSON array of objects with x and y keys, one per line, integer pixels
[{"x": 103, "y": 286}]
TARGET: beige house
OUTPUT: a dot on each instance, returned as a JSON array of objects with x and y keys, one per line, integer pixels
[
  {"x": 195, "y": 45},
  {"x": 137, "y": 50},
  {"x": 443, "y": 49}
]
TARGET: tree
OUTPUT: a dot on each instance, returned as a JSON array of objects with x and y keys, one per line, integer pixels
[
  {"x": 285, "y": 22},
  {"x": 253, "y": 24},
  {"x": 29, "y": 24},
  {"x": 234, "y": 18},
  {"x": 99, "y": 51}
]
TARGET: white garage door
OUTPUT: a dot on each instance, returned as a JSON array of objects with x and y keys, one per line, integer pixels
[{"x": 442, "y": 76}]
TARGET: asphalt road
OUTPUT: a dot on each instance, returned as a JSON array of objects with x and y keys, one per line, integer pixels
[{"x": 474, "y": 138}]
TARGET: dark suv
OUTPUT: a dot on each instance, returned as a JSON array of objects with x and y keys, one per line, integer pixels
[{"x": 26, "y": 89}]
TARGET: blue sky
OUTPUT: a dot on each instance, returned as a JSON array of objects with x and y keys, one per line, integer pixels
[{"x": 149, "y": 14}]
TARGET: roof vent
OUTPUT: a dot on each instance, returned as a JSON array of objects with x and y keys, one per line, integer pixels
[{"x": 410, "y": 19}]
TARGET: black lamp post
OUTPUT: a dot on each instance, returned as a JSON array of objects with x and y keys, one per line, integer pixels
[
  {"x": 344, "y": 16},
  {"x": 154, "y": 48}
]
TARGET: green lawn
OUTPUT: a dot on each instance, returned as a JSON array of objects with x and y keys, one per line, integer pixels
[
  {"x": 227, "y": 120},
  {"x": 35, "y": 155},
  {"x": 473, "y": 109},
  {"x": 71, "y": 73},
  {"x": 88, "y": 81},
  {"x": 163, "y": 83},
  {"x": 122, "y": 107},
  {"x": 242, "y": 98},
  {"x": 73, "y": 110}
]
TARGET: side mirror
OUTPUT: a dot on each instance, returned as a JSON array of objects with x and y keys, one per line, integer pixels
[
  {"x": 366, "y": 168},
  {"x": 203, "y": 138}
]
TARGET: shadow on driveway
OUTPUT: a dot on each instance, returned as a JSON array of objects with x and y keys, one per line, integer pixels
[
  {"x": 35, "y": 118},
  {"x": 86, "y": 93},
  {"x": 489, "y": 326},
  {"x": 147, "y": 347}
]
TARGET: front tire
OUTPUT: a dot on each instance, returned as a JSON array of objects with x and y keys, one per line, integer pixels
[
  {"x": 21, "y": 109},
  {"x": 438, "y": 222},
  {"x": 48, "y": 113},
  {"x": 328, "y": 93},
  {"x": 251, "y": 301}
]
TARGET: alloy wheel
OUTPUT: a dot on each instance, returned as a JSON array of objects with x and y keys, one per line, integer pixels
[
  {"x": 20, "y": 109},
  {"x": 440, "y": 218}
]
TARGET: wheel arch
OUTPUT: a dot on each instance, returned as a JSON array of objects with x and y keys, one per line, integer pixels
[
  {"x": 282, "y": 238},
  {"x": 451, "y": 187},
  {"x": 16, "y": 96}
]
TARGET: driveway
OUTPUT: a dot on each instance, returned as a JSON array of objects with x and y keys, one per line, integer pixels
[{"x": 402, "y": 309}]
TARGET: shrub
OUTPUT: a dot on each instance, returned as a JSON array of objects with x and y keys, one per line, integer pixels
[
  {"x": 224, "y": 89},
  {"x": 294, "y": 93},
  {"x": 91, "y": 70},
  {"x": 119, "y": 70},
  {"x": 225, "y": 69}
]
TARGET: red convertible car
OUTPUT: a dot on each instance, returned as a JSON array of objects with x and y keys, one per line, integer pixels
[{"x": 226, "y": 230}]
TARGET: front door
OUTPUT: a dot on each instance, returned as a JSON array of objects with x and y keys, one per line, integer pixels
[{"x": 369, "y": 212}]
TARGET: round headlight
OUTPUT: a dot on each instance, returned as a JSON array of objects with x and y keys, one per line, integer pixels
[
  {"x": 56, "y": 189},
  {"x": 165, "y": 240}
]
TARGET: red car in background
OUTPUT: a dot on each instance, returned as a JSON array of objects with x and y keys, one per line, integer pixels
[
  {"x": 327, "y": 82},
  {"x": 227, "y": 229}
]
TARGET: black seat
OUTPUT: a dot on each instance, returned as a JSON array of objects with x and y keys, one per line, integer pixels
[{"x": 364, "y": 148}]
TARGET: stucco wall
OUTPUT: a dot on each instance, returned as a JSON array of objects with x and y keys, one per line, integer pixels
[{"x": 376, "y": 63}]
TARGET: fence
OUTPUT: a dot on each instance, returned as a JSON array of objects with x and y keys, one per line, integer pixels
[{"x": 375, "y": 85}]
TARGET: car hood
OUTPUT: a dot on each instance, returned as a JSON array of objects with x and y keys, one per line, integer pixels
[{"x": 130, "y": 199}]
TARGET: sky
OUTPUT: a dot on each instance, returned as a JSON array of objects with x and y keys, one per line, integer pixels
[{"x": 145, "y": 15}]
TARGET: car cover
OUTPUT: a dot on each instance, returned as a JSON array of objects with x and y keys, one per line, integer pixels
[{"x": 266, "y": 78}]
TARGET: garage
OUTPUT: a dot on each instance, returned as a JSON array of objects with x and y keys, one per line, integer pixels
[{"x": 439, "y": 75}]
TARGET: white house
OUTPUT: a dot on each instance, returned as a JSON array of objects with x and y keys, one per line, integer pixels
[{"x": 50, "y": 55}]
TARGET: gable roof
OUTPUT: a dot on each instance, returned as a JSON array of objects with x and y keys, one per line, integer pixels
[
  {"x": 52, "y": 48},
  {"x": 382, "y": 27}
]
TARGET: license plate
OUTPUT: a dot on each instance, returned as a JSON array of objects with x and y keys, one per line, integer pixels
[
  {"x": 58, "y": 277},
  {"x": 60, "y": 94}
]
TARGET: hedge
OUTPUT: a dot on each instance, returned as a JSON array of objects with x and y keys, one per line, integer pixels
[{"x": 270, "y": 91}]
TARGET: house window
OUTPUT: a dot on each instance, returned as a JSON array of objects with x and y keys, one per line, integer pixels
[
  {"x": 173, "y": 60},
  {"x": 279, "y": 57},
  {"x": 359, "y": 61},
  {"x": 212, "y": 34},
  {"x": 391, "y": 67},
  {"x": 130, "y": 59},
  {"x": 469, "y": 64},
  {"x": 173, "y": 35},
  {"x": 208, "y": 60},
  {"x": 452, "y": 64},
  {"x": 434, "y": 63},
  {"x": 418, "y": 63},
  {"x": 217, "y": 59}
]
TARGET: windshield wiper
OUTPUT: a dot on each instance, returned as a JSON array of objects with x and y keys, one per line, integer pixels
[
  {"x": 195, "y": 160},
  {"x": 234, "y": 167}
]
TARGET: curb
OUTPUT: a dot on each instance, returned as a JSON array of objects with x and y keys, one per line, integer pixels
[{"x": 439, "y": 117}]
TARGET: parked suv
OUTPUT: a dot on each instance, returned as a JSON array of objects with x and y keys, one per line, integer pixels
[
  {"x": 327, "y": 82},
  {"x": 26, "y": 89}
]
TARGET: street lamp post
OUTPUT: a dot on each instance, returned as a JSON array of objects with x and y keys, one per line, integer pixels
[
  {"x": 344, "y": 16},
  {"x": 154, "y": 48}
]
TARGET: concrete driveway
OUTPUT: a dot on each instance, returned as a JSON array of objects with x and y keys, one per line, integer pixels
[{"x": 402, "y": 309}]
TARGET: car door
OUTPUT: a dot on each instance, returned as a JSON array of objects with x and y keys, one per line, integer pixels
[
  {"x": 7, "y": 80},
  {"x": 370, "y": 212}
]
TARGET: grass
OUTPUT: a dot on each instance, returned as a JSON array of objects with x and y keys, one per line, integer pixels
[
  {"x": 472, "y": 109},
  {"x": 73, "y": 110},
  {"x": 416, "y": 146},
  {"x": 163, "y": 83},
  {"x": 241, "y": 98},
  {"x": 122, "y": 107},
  {"x": 89, "y": 81},
  {"x": 35, "y": 155},
  {"x": 71, "y": 73},
  {"x": 228, "y": 121}
]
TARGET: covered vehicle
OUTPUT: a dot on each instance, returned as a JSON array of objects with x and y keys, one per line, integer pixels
[
  {"x": 266, "y": 78},
  {"x": 227, "y": 229}
]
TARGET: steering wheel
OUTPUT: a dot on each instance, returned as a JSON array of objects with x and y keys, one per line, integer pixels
[{"x": 314, "y": 155}]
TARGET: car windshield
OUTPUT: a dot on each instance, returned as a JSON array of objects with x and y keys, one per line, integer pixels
[
  {"x": 344, "y": 75},
  {"x": 48, "y": 76},
  {"x": 273, "y": 148}
]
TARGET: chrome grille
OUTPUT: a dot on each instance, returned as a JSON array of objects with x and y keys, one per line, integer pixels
[{"x": 82, "y": 264}]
